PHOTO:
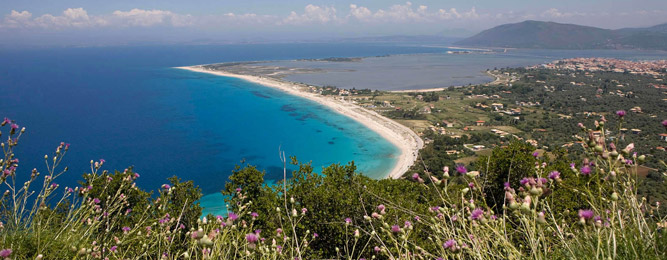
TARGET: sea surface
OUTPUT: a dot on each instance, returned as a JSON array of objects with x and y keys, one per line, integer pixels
[{"x": 128, "y": 106}]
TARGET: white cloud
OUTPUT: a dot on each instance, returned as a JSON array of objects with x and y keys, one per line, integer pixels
[
  {"x": 146, "y": 18},
  {"x": 16, "y": 19},
  {"x": 312, "y": 14}
]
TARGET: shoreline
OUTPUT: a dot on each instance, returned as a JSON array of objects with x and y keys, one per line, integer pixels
[{"x": 407, "y": 141}]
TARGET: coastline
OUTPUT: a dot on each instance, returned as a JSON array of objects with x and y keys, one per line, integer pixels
[{"x": 407, "y": 141}]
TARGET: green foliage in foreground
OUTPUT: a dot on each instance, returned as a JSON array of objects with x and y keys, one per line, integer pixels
[{"x": 547, "y": 209}]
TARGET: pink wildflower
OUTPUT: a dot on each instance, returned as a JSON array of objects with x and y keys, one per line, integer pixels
[
  {"x": 460, "y": 168},
  {"x": 395, "y": 229},
  {"x": 231, "y": 216},
  {"x": 620, "y": 113},
  {"x": 586, "y": 170},
  {"x": 477, "y": 214},
  {"x": 5, "y": 253},
  {"x": 586, "y": 214},
  {"x": 251, "y": 238}
]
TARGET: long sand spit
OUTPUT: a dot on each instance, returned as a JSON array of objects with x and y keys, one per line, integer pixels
[{"x": 401, "y": 136}]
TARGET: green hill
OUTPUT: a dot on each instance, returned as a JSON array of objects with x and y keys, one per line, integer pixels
[{"x": 551, "y": 35}]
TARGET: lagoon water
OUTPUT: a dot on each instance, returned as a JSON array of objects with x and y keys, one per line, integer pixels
[
  {"x": 437, "y": 70},
  {"x": 129, "y": 107}
]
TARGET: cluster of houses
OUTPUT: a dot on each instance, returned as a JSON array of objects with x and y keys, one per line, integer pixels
[{"x": 654, "y": 68}]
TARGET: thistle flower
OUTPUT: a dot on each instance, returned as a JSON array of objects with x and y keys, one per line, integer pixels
[
  {"x": 460, "y": 168},
  {"x": 377, "y": 249},
  {"x": 5, "y": 253},
  {"x": 415, "y": 176},
  {"x": 620, "y": 113},
  {"x": 96, "y": 201},
  {"x": 554, "y": 175},
  {"x": 113, "y": 249},
  {"x": 166, "y": 186},
  {"x": 664, "y": 123},
  {"x": 395, "y": 229},
  {"x": 381, "y": 207},
  {"x": 6, "y": 121},
  {"x": 477, "y": 214},
  {"x": 586, "y": 214},
  {"x": 536, "y": 154},
  {"x": 254, "y": 215},
  {"x": 232, "y": 216},
  {"x": 449, "y": 244},
  {"x": 251, "y": 238},
  {"x": 348, "y": 221},
  {"x": 126, "y": 229},
  {"x": 586, "y": 170}
]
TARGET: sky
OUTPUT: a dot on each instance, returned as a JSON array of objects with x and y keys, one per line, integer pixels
[{"x": 94, "y": 22}]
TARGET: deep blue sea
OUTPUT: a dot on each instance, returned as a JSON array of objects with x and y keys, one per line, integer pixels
[{"x": 127, "y": 105}]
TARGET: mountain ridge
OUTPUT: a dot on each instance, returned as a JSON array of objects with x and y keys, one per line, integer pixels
[{"x": 551, "y": 35}]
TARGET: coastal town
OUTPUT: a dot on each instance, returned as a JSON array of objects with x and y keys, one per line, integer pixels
[{"x": 652, "y": 68}]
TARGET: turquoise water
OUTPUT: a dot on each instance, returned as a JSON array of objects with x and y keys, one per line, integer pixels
[{"x": 127, "y": 105}]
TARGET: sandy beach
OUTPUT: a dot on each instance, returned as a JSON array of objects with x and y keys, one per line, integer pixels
[{"x": 401, "y": 136}]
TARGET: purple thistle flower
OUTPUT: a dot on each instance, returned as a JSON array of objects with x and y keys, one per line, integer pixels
[
  {"x": 543, "y": 180},
  {"x": 407, "y": 224},
  {"x": 435, "y": 208},
  {"x": 96, "y": 201},
  {"x": 573, "y": 165},
  {"x": 586, "y": 170},
  {"x": 14, "y": 126},
  {"x": 257, "y": 231},
  {"x": 415, "y": 176},
  {"x": 113, "y": 249},
  {"x": 166, "y": 186},
  {"x": 664, "y": 123},
  {"x": 524, "y": 181},
  {"x": 506, "y": 185},
  {"x": 232, "y": 216},
  {"x": 554, "y": 175},
  {"x": 251, "y": 238},
  {"x": 586, "y": 214},
  {"x": 620, "y": 113},
  {"x": 377, "y": 249},
  {"x": 254, "y": 214},
  {"x": 395, "y": 229},
  {"x": 126, "y": 229},
  {"x": 449, "y": 244},
  {"x": 381, "y": 207},
  {"x": 348, "y": 220},
  {"x": 5, "y": 253},
  {"x": 536, "y": 154},
  {"x": 477, "y": 214},
  {"x": 6, "y": 121},
  {"x": 460, "y": 168}
]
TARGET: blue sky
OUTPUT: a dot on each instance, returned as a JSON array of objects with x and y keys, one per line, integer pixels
[{"x": 123, "y": 21}]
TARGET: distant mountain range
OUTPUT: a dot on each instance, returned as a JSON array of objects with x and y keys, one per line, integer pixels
[{"x": 550, "y": 35}]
